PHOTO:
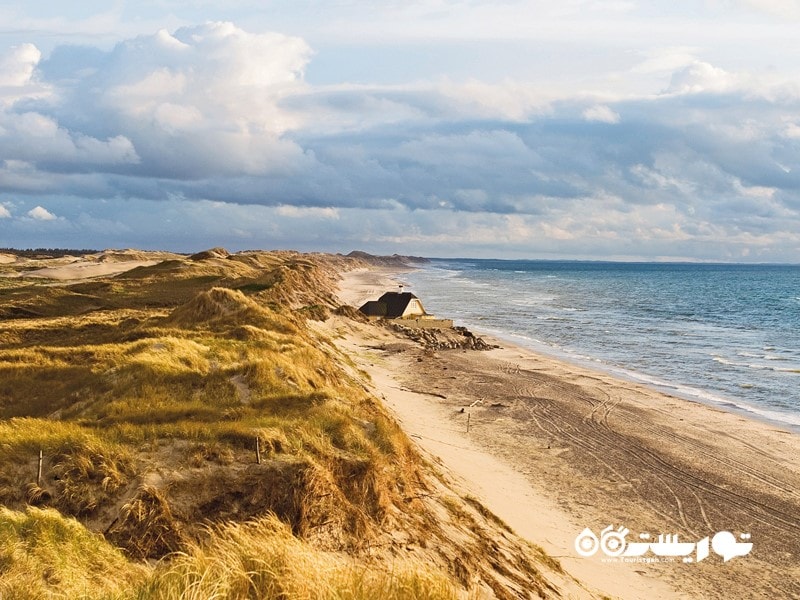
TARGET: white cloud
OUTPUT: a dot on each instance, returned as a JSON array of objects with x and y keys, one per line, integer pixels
[
  {"x": 224, "y": 115},
  {"x": 17, "y": 81},
  {"x": 699, "y": 77},
  {"x": 17, "y": 66},
  {"x": 41, "y": 214},
  {"x": 4, "y": 212},
  {"x": 511, "y": 100},
  {"x": 34, "y": 137},
  {"x": 792, "y": 130},
  {"x": 233, "y": 79},
  {"x": 602, "y": 114},
  {"x": 204, "y": 101},
  {"x": 667, "y": 60}
]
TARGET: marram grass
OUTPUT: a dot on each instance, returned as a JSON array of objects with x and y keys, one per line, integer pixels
[
  {"x": 147, "y": 410},
  {"x": 44, "y": 555},
  {"x": 262, "y": 559}
]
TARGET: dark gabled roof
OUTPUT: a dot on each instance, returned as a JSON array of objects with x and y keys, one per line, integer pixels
[
  {"x": 396, "y": 303},
  {"x": 374, "y": 308}
]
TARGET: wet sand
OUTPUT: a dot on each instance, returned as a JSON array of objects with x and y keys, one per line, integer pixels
[{"x": 553, "y": 448}]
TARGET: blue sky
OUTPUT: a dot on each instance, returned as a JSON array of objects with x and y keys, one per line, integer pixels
[{"x": 610, "y": 129}]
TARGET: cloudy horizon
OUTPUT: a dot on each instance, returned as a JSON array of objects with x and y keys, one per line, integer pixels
[{"x": 587, "y": 129}]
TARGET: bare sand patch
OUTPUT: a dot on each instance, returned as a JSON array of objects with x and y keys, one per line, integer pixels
[
  {"x": 86, "y": 269},
  {"x": 68, "y": 267}
]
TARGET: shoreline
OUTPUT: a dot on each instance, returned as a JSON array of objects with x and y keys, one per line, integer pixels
[
  {"x": 693, "y": 388},
  {"x": 598, "y": 450},
  {"x": 684, "y": 392}
]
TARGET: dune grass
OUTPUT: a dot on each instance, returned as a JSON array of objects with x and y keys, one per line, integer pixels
[
  {"x": 84, "y": 469},
  {"x": 147, "y": 394},
  {"x": 263, "y": 559},
  {"x": 158, "y": 369},
  {"x": 46, "y": 555}
]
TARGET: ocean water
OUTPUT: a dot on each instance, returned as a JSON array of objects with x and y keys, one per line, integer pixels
[{"x": 723, "y": 334}]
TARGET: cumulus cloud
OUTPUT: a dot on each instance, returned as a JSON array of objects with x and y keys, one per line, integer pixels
[
  {"x": 17, "y": 82},
  {"x": 217, "y": 70},
  {"x": 202, "y": 101},
  {"x": 40, "y": 213},
  {"x": 4, "y": 212},
  {"x": 223, "y": 118},
  {"x": 666, "y": 60},
  {"x": 36, "y": 138},
  {"x": 701, "y": 76},
  {"x": 17, "y": 66}
]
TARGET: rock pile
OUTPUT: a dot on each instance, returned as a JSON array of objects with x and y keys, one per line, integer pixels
[{"x": 457, "y": 338}]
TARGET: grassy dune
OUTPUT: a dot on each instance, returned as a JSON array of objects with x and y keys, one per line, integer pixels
[{"x": 147, "y": 394}]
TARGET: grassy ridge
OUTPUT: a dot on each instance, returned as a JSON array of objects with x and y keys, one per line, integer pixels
[{"x": 147, "y": 394}]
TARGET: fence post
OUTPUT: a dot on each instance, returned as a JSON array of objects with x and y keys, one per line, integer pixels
[
  {"x": 258, "y": 450},
  {"x": 39, "y": 471}
]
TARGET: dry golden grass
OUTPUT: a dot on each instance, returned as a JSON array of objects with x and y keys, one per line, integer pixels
[
  {"x": 83, "y": 470},
  {"x": 146, "y": 393},
  {"x": 46, "y": 555},
  {"x": 263, "y": 559},
  {"x": 111, "y": 394},
  {"x": 147, "y": 526}
]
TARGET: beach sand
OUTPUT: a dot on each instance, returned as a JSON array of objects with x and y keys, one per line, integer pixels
[{"x": 553, "y": 448}]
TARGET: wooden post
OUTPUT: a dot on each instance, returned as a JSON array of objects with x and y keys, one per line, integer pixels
[
  {"x": 39, "y": 471},
  {"x": 258, "y": 450},
  {"x": 468, "y": 416}
]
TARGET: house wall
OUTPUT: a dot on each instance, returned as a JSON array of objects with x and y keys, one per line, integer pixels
[{"x": 414, "y": 308}]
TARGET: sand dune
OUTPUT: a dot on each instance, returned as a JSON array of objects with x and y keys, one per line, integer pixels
[
  {"x": 89, "y": 266},
  {"x": 87, "y": 269}
]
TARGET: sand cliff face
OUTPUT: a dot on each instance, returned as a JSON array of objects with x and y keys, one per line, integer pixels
[{"x": 184, "y": 404}]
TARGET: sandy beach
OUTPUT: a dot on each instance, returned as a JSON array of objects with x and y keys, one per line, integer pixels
[{"x": 553, "y": 448}]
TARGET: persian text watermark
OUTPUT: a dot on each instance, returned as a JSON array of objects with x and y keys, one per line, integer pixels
[{"x": 665, "y": 548}]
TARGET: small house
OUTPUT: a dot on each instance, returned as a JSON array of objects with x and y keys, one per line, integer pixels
[{"x": 394, "y": 305}]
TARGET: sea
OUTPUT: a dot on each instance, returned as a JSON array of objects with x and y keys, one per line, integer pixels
[{"x": 723, "y": 334}]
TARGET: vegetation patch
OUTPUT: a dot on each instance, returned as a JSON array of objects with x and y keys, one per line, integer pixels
[{"x": 199, "y": 440}]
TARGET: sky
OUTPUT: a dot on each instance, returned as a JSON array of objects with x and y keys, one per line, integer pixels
[{"x": 578, "y": 129}]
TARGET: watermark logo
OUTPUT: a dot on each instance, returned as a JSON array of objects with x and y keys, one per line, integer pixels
[{"x": 666, "y": 548}]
